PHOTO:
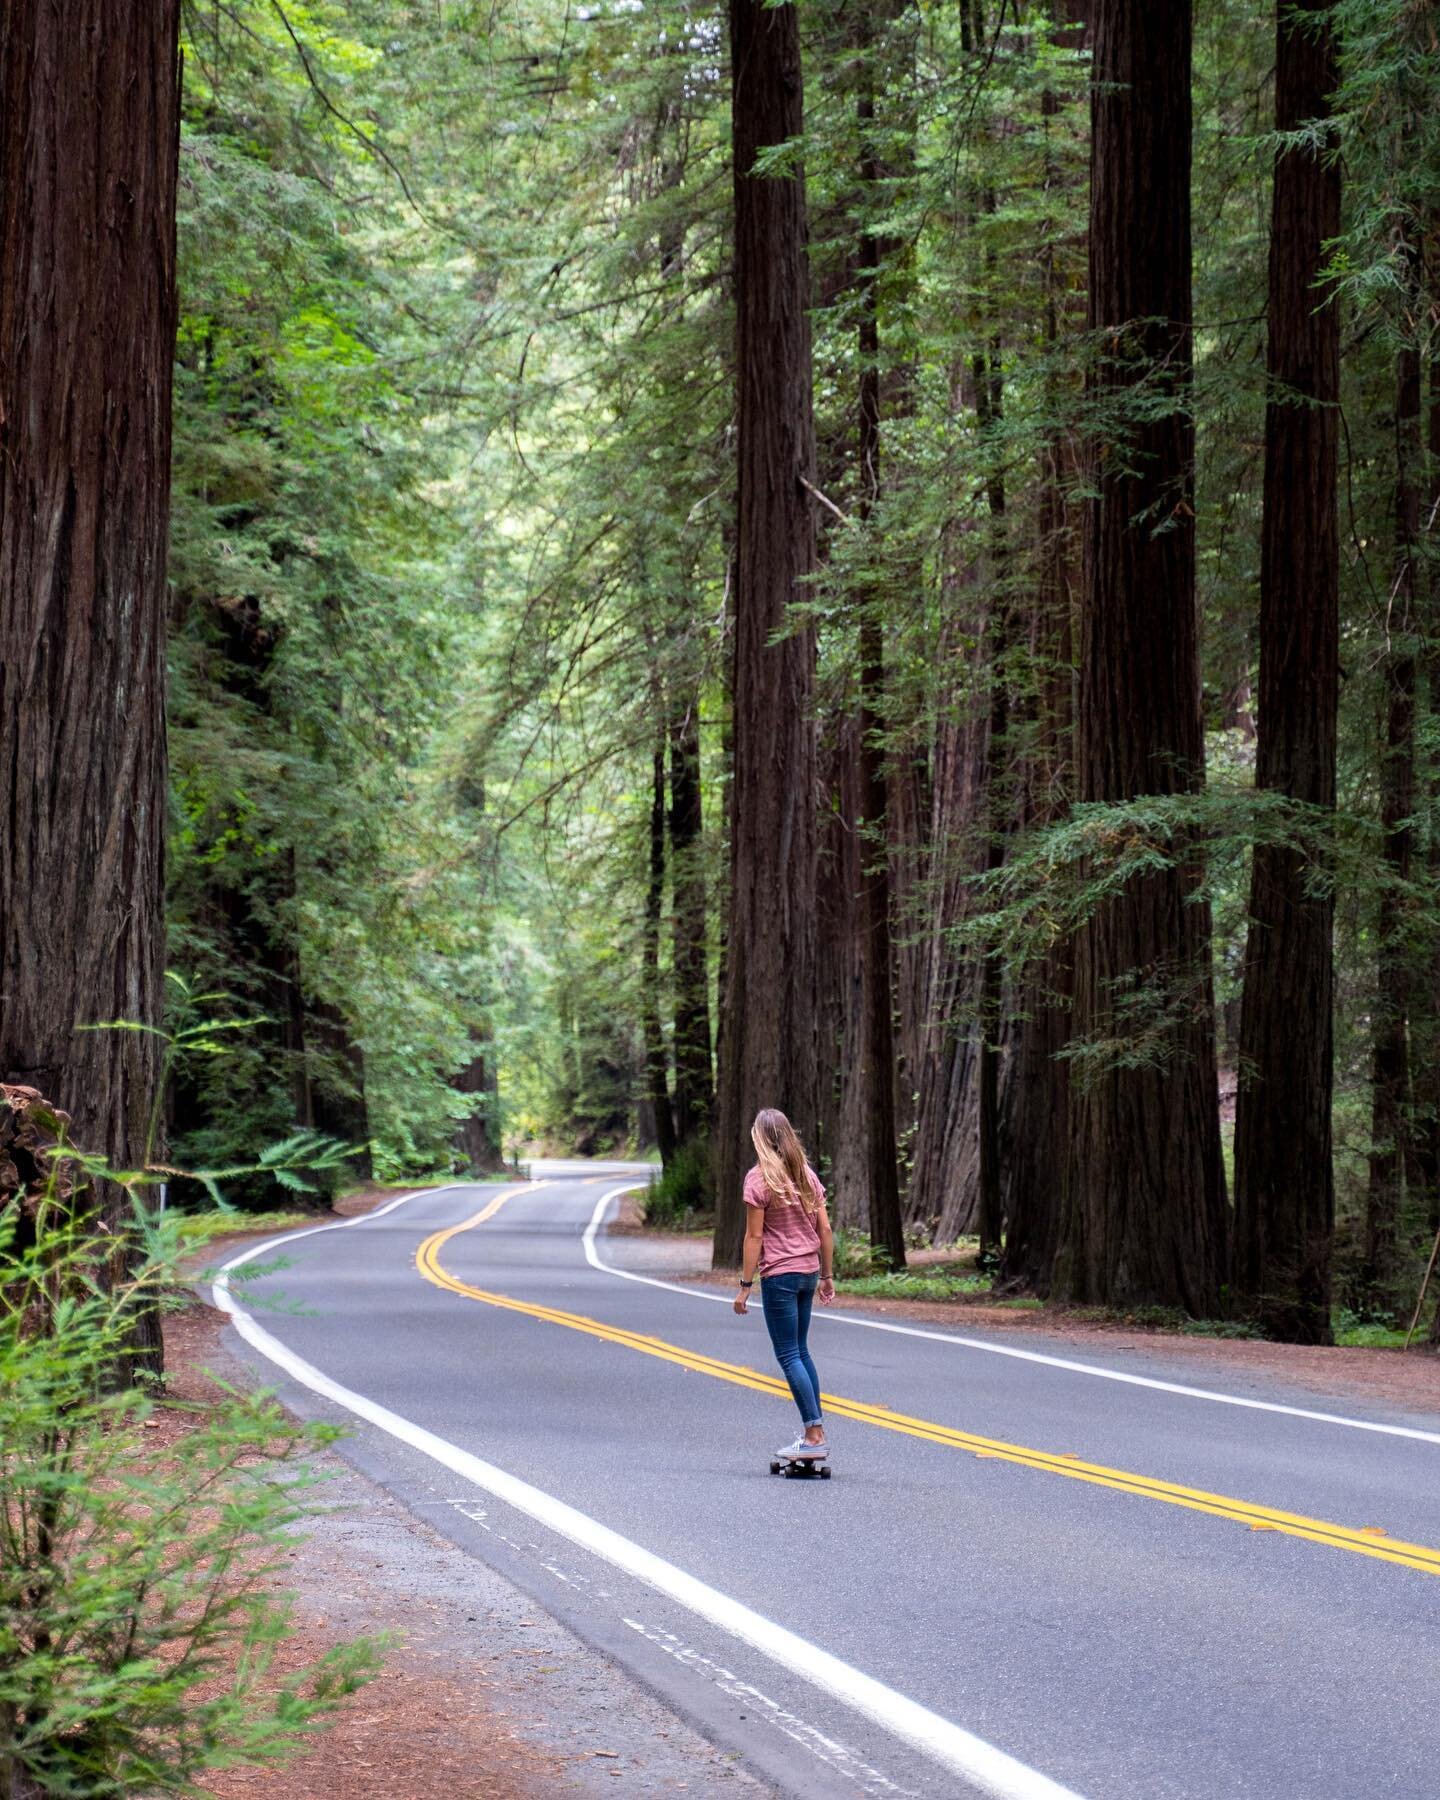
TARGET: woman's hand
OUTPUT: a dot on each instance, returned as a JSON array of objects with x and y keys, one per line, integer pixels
[
  {"x": 826, "y": 1292},
  {"x": 742, "y": 1300}
]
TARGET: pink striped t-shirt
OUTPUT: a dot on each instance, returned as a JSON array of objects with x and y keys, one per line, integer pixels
[{"x": 791, "y": 1245}]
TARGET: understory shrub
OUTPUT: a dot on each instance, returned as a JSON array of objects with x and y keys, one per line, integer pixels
[
  {"x": 902, "y": 1285},
  {"x": 855, "y": 1256},
  {"x": 678, "y": 1199},
  {"x": 137, "y": 1638}
]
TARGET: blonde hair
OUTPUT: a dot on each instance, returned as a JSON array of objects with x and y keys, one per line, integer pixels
[{"x": 781, "y": 1156}]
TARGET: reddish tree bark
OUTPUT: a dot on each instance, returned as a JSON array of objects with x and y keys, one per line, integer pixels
[
  {"x": 842, "y": 1137},
  {"x": 1427, "y": 1082},
  {"x": 999, "y": 797},
  {"x": 478, "y": 1139},
  {"x": 768, "y": 1031},
  {"x": 1390, "y": 1056},
  {"x": 1284, "y": 1176},
  {"x": 1145, "y": 1217},
  {"x": 876, "y": 990},
  {"x": 1037, "y": 1113},
  {"x": 694, "y": 1078},
  {"x": 657, "y": 1071},
  {"x": 89, "y": 120},
  {"x": 943, "y": 1188}
]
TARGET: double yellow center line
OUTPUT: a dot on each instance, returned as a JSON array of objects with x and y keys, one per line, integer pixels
[{"x": 1362, "y": 1541}]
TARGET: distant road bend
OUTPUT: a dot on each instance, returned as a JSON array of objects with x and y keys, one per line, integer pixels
[{"x": 1032, "y": 1576}]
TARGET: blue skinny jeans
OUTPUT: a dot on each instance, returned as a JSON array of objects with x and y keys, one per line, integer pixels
[{"x": 787, "y": 1301}]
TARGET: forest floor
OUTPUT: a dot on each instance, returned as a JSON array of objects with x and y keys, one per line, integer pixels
[
  {"x": 1410, "y": 1379},
  {"x": 480, "y": 1692}
]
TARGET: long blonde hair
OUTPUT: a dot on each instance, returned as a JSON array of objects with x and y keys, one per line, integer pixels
[{"x": 781, "y": 1156}]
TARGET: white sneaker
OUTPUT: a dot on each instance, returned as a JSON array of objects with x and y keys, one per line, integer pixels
[{"x": 800, "y": 1451}]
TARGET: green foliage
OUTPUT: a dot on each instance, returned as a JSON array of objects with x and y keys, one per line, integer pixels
[
  {"x": 324, "y": 883},
  {"x": 452, "y": 543},
  {"x": 198, "y": 1228},
  {"x": 1368, "y": 1331},
  {"x": 855, "y": 1256},
  {"x": 679, "y": 1197},
  {"x": 138, "y": 1632},
  {"x": 917, "y": 1285}
]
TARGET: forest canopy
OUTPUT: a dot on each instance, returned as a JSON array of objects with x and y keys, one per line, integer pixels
[{"x": 877, "y": 559}]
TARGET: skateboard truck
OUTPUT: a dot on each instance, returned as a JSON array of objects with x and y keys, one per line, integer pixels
[{"x": 800, "y": 1468}]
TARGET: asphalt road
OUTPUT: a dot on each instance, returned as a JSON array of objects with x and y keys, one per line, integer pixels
[{"x": 1024, "y": 1579}]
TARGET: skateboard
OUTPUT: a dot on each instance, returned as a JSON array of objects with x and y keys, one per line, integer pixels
[{"x": 800, "y": 1468}]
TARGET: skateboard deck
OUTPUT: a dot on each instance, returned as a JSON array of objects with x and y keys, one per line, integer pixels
[{"x": 800, "y": 1468}]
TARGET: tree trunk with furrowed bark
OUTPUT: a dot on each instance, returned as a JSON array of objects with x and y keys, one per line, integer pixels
[
  {"x": 768, "y": 1035},
  {"x": 1145, "y": 1219},
  {"x": 89, "y": 121},
  {"x": 1284, "y": 1176},
  {"x": 694, "y": 1078}
]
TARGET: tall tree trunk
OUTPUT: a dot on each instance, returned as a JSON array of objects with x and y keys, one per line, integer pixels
[
  {"x": 909, "y": 804},
  {"x": 693, "y": 1075},
  {"x": 89, "y": 123},
  {"x": 1390, "y": 1067},
  {"x": 1284, "y": 1173},
  {"x": 942, "y": 1193},
  {"x": 843, "y": 1138},
  {"x": 1145, "y": 1205},
  {"x": 1427, "y": 1079},
  {"x": 1038, "y": 1120},
  {"x": 989, "y": 400},
  {"x": 478, "y": 1138},
  {"x": 876, "y": 996},
  {"x": 769, "y": 1006},
  {"x": 657, "y": 1087}
]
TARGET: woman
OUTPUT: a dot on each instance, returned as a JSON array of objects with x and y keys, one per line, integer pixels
[{"x": 788, "y": 1243}]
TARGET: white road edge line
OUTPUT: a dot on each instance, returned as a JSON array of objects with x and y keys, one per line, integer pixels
[
  {"x": 991, "y": 1770},
  {"x": 593, "y": 1257},
  {"x": 843, "y": 1761}
]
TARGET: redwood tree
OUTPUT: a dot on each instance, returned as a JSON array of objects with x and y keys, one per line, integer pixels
[
  {"x": 1390, "y": 1128},
  {"x": 693, "y": 1077},
  {"x": 767, "y": 1039},
  {"x": 477, "y": 1138},
  {"x": 876, "y": 963},
  {"x": 89, "y": 120},
  {"x": 657, "y": 1084},
  {"x": 1039, "y": 1092},
  {"x": 1144, "y": 1216},
  {"x": 1284, "y": 1176}
]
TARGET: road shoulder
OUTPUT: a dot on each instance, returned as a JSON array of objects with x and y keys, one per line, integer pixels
[{"x": 481, "y": 1692}]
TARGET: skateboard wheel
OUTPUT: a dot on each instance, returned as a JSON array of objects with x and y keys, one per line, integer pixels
[
  {"x": 824, "y": 1474},
  {"x": 774, "y": 1468}
]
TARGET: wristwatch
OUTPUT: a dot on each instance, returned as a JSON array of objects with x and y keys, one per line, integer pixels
[{"x": 747, "y": 1284}]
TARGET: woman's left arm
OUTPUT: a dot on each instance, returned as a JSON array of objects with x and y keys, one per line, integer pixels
[
  {"x": 827, "y": 1256},
  {"x": 750, "y": 1255}
]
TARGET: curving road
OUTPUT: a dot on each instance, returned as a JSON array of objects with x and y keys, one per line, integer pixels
[{"x": 1032, "y": 1575}]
